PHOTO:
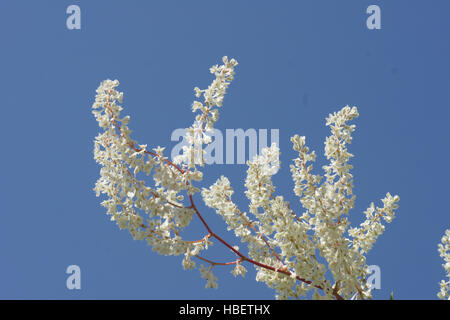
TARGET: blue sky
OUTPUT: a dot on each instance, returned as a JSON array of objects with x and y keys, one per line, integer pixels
[{"x": 299, "y": 61}]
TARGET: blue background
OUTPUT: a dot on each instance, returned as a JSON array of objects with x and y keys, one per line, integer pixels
[{"x": 298, "y": 61}]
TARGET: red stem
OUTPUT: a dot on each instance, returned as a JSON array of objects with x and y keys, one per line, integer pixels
[{"x": 212, "y": 234}]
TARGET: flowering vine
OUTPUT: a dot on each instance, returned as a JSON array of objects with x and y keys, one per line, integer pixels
[{"x": 316, "y": 251}]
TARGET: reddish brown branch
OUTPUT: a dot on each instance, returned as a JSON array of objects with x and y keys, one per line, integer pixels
[
  {"x": 213, "y": 263},
  {"x": 211, "y": 233},
  {"x": 261, "y": 235}
]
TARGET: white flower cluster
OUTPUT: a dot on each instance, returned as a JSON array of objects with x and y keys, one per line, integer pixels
[
  {"x": 315, "y": 251},
  {"x": 197, "y": 133},
  {"x": 152, "y": 214},
  {"x": 155, "y": 214},
  {"x": 327, "y": 205},
  {"x": 211, "y": 279},
  {"x": 444, "y": 252}
]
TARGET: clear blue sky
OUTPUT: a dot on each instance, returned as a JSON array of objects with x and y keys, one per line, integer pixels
[{"x": 299, "y": 61}]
